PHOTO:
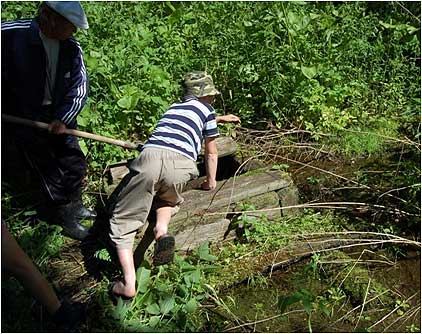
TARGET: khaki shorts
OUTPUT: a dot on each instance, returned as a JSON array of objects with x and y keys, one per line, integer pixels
[{"x": 155, "y": 180}]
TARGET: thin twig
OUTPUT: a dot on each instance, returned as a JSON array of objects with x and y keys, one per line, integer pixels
[
  {"x": 408, "y": 11},
  {"x": 411, "y": 311},
  {"x": 398, "y": 189},
  {"x": 357, "y": 307},
  {"x": 324, "y": 205},
  {"x": 392, "y": 312},
  {"x": 363, "y": 304},
  {"x": 263, "y": 320}
]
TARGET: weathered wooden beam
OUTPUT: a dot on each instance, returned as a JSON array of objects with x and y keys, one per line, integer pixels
[
  {"x": 196, "y": 235},
  {"x": 204, "y": 214},
  {"x": 198, "y": 203},
  {"x": 225, "y": 146}
]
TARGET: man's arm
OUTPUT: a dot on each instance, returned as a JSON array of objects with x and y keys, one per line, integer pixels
[
  {"x": 77, "y": 93},
  {"x": 211, "y": 160}
]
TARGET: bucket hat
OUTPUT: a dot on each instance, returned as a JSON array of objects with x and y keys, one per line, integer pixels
[{"x": 199, "y": 84}]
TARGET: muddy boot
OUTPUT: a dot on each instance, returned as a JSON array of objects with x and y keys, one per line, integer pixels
[{"x": 81, "y": 211}]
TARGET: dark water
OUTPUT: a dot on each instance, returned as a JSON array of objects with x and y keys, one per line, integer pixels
[{"x": 256, "y": 304}]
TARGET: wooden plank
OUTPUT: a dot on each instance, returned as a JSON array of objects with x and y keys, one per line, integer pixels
[
  {"x": 269, "y": 200},
  {"x": 225, "y": 146},
  {"x": 197, "y": 235},
  {"x": 200, "y": 202}
]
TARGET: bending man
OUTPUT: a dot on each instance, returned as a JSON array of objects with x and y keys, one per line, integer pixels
[{"x": 167, "y": 161}]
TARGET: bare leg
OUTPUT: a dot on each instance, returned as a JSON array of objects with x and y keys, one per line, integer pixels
[
  {"x": 127, "y": 287},
  {"x": 15, "y": 260},
  {"x": 146, "y": 240},
  {"x": 163, "y": 220}
]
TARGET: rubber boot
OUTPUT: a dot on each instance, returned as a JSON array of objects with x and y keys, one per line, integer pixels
[
  {"x": 81, "y": 211},
  {"x": 68, "y": 316},
  {"x": 65, "y": 216}
]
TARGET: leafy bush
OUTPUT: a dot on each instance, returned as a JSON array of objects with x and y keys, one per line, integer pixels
[
  {"x": 168, "y": 298},
  {"x": 321, "y": 66}
]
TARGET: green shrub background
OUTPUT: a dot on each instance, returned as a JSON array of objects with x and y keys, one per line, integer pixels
[{"x": 319, "y": 66}]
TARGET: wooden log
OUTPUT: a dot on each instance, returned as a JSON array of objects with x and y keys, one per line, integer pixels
[
  {"x": 217, "y": 229},
  {"x": 197, "y": 235},
  {"x": 289, "y": 196},
  {"x": 225, "y": 146},
  {"x": 269, "y": 200},
  {"x": 193, "y": 224},
  {"x": 199, "y": 202}
]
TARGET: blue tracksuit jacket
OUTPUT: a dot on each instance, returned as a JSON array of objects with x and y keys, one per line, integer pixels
[{"x": 23, "y": 72}]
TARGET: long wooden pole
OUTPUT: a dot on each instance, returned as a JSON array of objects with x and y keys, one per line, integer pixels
[{"x": 83, "y": 134}]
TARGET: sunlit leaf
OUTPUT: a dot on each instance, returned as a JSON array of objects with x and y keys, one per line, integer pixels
[
  {"x": 167, "y": 304},
  {"x": 125, "y": 102},
  {"x": 143, "y": 277},
  {"x": 191, "y": 305},
  {"x": 153, "y": 309},
  {"x": 309, "y": 72}
]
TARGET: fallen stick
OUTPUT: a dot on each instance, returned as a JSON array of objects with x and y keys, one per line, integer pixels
[{"x": 78, "y": 133}]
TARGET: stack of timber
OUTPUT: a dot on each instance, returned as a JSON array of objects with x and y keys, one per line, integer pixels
[{"x": 206, "y": 215}]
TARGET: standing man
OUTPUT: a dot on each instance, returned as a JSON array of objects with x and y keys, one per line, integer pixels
[
  {"x": 44, "y": 79},
  {"x": 167, "y": 161}
]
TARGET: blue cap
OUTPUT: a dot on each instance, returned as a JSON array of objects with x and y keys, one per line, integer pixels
[{"x": 71, "y": 10}]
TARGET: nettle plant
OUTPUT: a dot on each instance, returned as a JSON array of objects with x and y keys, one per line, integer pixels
[{"x": 169, "y": 298}]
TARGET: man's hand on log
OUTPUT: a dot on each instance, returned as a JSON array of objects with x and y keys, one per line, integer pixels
[{"x": 57, "y": 127}]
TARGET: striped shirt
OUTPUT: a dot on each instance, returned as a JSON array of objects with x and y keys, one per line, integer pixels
[{"x": 184, "y": 126}]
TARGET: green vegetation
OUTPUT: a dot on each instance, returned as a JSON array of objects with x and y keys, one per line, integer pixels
[
  {"x": 344, "y": 77},
  {"x": 168, "y": 297},
  {"x": 320, "y": 66}
]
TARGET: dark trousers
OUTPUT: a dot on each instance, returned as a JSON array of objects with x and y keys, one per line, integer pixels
[{"x": 55, "y": 162}]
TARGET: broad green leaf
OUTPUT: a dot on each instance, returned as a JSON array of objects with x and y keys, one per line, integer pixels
[
  {"x": 143, "y": 277},
  {"x": 125, "y": 102},
  {"x": 284, "y": 302},
  {"x": 167, "y": 304},
  {"x": 83, "y": 147},
  {"x": 203, "y": 250},
  {"x": 309, "y": 72},
  {"x": 153, "y": 309},
  {"x": 191, "y": 305},
  {"x": 84, "y": 115},
  {"x": 95, "y": 54},
  {"x": 154, "y": 321},
  {"x": 307, "y": 305},
  {"x": 29, "y": 213},
  {"x": 210, "y": 268},
  {"x": 185, "y": 266},
  {"x": 164, "y": 286},
  {"x": 158, "y": 100},
  {"x": 196, "y": 276},
  {"x": 120, "y": 309}
]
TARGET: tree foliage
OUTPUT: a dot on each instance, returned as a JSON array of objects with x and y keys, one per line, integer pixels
[{"x": 321, "y": 66}]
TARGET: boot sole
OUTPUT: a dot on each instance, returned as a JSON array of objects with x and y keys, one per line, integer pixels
[{"x": 164, "y": 250}]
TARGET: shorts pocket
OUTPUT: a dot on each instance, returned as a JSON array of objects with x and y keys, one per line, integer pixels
[
  {"x": 185, "y": 170},
  {"x": 183, "y": 164}
]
